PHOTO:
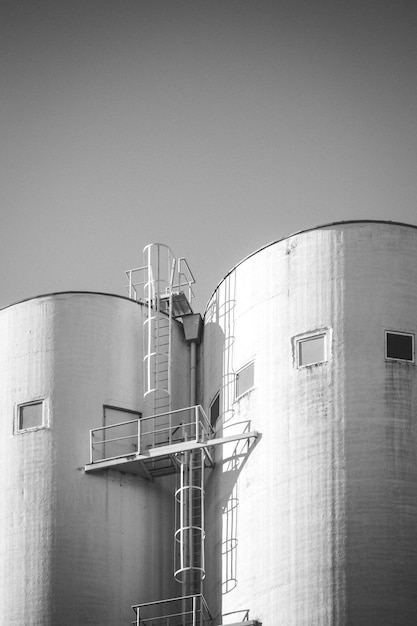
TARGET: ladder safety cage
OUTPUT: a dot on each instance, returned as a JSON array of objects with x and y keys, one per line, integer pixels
[
  {"x": 189, "y": 561},
  {"x": 160, "y": 284},
  {"x": 190, "y": 610},
  {"x": 166, "y": 439},
  {"x": 157, "y": 327}
]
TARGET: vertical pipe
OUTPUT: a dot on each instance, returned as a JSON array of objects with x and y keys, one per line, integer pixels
[
  {"x": 202, "y": 518},
  {"x": 170, "y": 428},
  {"x": 193, "y": 402},
  {"x": 158, "y": 279},
  {"x": 190, "y": 520},
  {"x": 170, "y": 313},
  {"x": 193, "y": 374}
]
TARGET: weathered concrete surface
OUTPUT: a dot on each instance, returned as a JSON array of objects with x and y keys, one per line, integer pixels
[
  {"x": 77, "y": 549},
  {"x": 319, "y": 522}
]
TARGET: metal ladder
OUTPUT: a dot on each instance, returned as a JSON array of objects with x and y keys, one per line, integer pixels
[
  {"x": 167, "y": 292},
  {"x": 157, "y": 328},
  {"x": 164, "y": 285}
]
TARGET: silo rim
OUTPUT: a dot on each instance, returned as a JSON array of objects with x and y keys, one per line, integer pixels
[
  {"x": 69, "y": 293},
  {"x": 301, "y": 232}
]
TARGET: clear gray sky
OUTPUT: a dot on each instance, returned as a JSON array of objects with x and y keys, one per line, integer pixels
[{"x": 215, "y": 126}]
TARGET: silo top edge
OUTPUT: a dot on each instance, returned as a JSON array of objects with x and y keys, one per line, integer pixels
[
  {"x": 300, "y": 232},
  {"x": 69, "y": 293}
]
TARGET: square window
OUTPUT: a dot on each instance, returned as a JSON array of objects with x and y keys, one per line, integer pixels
[
  {"x": 245, "y": 379},
  {"x": 311, "y": 350},
  {"x": 30, "y": 416},
  {"x": 399, "y": 346}
]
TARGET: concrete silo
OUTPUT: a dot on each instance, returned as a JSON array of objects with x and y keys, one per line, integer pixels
[
  {"x": 77, "y": 549},
  {"x": 288, "y": 420},
  {"x": 310, "y": 341}
]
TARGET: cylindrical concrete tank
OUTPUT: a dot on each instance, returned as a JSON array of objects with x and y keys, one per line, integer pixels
[
  {"x": 310, "y": 341},
  {"x": 77, "y": 549}
]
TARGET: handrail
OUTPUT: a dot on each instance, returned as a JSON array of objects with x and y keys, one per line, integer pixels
[
  {"x": 104, "y": 441},
  {"x": 190, "y": 608},
  {"x": 186, "y": 408},
  {"x": 141, "y": 604},
  {"x": 131, "y": 284},
  {"x": 178, "y": 275},
  {"x": 185, "y": 278},
  {"x": 195, "y": 426},
  {"x": 245, "y": 617},
  {"x": 117, "y": 424}
]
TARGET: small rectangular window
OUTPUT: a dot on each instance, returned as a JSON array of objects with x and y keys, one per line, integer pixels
[
  {"x": 399, "y": 346},
  {"x": 215, "y": 409},
  {"x": 30, "y": 416},
  {"x": 245, "y": 379},
  {"x": 311, "y": 348}
]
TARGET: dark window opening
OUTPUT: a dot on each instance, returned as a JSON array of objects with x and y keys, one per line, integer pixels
[
  {"x": 215, "y": 410},
  {"x": 399, "y": 346}
]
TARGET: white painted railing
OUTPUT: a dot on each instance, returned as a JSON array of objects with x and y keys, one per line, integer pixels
[
  {"x": 189, "y": 610},
  {"x": 141, "y": 435}
]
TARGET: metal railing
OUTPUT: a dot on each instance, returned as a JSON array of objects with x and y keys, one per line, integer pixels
[
  {"x": 242, "y": 615},
  {"x": 185, "y": 278},
  {"x": 189, "y": 610},
  {"x": 141, "y": 435},
  {"x": 135, "y": 282},
  {"x": 148, "y": 282}
]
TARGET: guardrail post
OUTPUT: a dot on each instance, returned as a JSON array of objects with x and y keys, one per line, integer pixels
[
  {"x": 194, "y": 611},
  {"x": 139, "y": 444},
  {"x": 196, "y": 423},
  {"x": 130, "y": 283},
  {"x": 91, "y": 446}
]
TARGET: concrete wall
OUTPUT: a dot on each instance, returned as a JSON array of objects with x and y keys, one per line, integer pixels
[
  {"x": 318, "y": 524},
  {"x": 77, "y": 549}
]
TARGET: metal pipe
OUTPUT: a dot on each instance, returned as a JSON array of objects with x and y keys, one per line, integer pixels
[
  {"x": 193, "y": 374},
  {"x": 197, "y": 430}
]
